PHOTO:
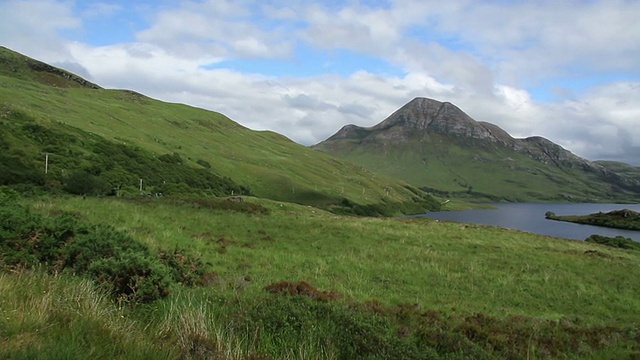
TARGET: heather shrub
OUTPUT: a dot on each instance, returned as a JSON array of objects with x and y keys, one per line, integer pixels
[{"x": 65, "y": 242}]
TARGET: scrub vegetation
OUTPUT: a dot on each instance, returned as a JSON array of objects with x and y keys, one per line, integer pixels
[{"x": 279, "y": 280}]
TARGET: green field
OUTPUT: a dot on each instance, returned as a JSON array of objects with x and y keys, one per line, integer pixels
[{"x": 411, "y": 288}]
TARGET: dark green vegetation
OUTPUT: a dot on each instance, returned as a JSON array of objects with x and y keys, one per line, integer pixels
[
  {"x": 103, "y": 142},
  {"x": 621, "y": 219},
  {"x": 437, "y": 147},
  {"x": 65, "y": 243},
  {"x": 616, "y": 242},
  {"x": 279, "y": 280}
]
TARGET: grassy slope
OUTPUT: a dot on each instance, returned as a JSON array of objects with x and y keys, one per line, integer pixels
[
  {"x": 444, "y": 266},
  {"x": 621, "y": 168},
  {"x": 494, "y": 173},
  {"x": 269, "y": 164},
  {"x": 459, "y": 271}
]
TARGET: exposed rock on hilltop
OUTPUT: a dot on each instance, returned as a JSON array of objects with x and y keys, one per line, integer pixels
[
  {"x": 426, "y": 132},
  {"x": 26, "y": 68},
  {"x": 423, "y": 116}
]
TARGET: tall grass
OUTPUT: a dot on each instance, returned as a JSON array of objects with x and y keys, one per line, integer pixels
[
  {"x": 55, "y": 317},
  {"x": 405, "y": 288},
  {"x": 443, "y": 266}
]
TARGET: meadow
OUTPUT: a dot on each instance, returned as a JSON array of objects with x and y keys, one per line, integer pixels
[{"x": 291, "y": 281}]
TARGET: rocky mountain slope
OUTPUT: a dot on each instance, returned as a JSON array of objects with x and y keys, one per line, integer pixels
[{"x": 437, "y": 146}]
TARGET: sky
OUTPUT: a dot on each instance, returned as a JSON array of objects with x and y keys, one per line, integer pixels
[{"x": 567, "y": 70}]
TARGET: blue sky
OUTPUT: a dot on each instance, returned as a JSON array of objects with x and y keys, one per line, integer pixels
[{"x": 566, "y": 70}]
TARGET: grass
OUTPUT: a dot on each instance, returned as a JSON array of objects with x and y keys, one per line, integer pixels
[
  {"x": 411, "y": 288},
  {"x": 391, "y": 260},
  {"x": 269, "y": 164},
  {"x": 45, "y": 317}
]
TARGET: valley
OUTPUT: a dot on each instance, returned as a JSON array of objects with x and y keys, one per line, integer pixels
[{"x": 133, "y": 228}]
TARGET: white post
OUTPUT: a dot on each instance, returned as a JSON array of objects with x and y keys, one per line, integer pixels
[
  {"x": 140, "y": 185},
  {"x": 46, "y": 163}
]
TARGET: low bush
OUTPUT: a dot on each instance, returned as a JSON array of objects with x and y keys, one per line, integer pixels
[
  {"x": 418, "y": 204},
  {"x": 133, "y": 276},
  {"x": 616, "y": 242},
  {"x": 185, "y": 268},
  {"x": 84, "y": 183},
  {"x": 65, "y": 242}
]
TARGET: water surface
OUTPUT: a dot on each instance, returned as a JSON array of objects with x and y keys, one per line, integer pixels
[{"x": 530, "y": 217}]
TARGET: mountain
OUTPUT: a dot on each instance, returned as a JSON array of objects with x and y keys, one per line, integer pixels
[
  {"x": 101, "y": 141},
  {"x": 437, "y": 146}
]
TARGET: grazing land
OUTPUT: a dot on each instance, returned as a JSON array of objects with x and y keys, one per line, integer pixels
[{"x": 280, "y": 280}]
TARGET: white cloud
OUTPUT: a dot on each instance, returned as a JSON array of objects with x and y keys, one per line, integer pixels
[
  {"x": 31, "y": 27},
  {"x": 215, "y": 28},
  {"x": 485, "y": 57}
]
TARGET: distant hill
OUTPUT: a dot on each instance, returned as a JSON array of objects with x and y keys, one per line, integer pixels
[
  {"x": 436, "y": 146},
  {"x": 106, "y": 141},
  {"x": 621, "y": 168}
]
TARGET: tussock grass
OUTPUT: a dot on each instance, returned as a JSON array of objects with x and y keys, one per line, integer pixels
[
  {"x": 405, "y": 288},
  {"x": 47, "y": 317},
  {"x": 443, "y": 266}
]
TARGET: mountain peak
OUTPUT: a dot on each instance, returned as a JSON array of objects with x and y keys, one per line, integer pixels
[
  {"x": 427, "y": 116},
  {"x": 433, "y": 116},
  {"x": 437, "y": 145},
  {"x": 417, "y": 113}
]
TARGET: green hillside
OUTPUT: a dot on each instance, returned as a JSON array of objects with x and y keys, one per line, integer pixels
[
  {"x": 118, "y": 137},
  {"x": 451, "y": 170},
  {"x": 621, "y": 168}
]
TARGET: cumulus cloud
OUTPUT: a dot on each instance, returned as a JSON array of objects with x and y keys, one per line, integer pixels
[
  {"x": 490, "y": 58},
  {"x": 215, "y": 28},
  {"x": 603, "y": 123},
  {"x": 32, "y": 26}
]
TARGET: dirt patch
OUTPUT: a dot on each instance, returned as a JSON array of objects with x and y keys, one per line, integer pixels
[
  {"x": 222, "y": 250},
  {"x": 224, "y": 241},
  {"x": 267, "y": 239},
  {"x": 210, "y": 278},
  {"x": 302, "y": 288},
  {"x": 58, "y": 212}
]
